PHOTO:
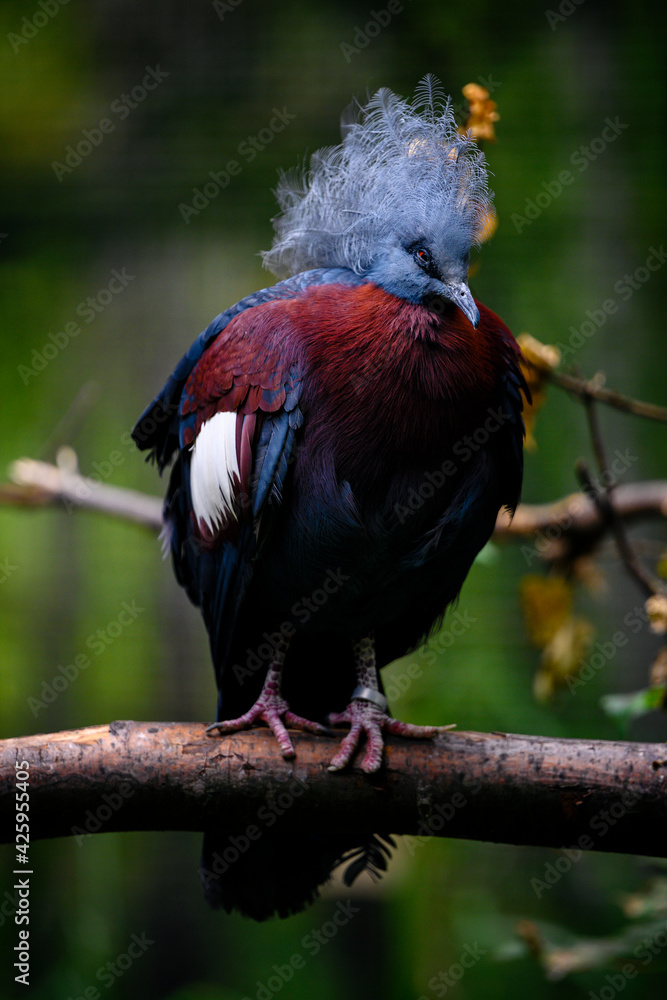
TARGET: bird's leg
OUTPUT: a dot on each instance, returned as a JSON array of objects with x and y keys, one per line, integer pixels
[
  {"x": 367, "y": 713},
  {"x": 272, "y": 709}
]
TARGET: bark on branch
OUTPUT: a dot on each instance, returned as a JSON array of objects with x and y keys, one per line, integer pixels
[
  {"x": 40, "y": 484},
  {"x": 574, "y": 519},
  {"x": 492, "y": 787}
]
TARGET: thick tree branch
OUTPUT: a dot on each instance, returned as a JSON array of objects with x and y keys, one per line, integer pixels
[
  {"x": 579, "y": 513},
  {"x": 42, "y": 484},
  {"x": 560, "y": 532},
  {"x": 491, "y": 787}
]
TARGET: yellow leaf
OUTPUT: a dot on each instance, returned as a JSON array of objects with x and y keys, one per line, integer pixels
[
  {"x": 551, "y": 626},
  {"x": 661, "y": 568},
  {"x": 656, "y": 609},
  {"x": 547, "y": 604},
  {"x": 487, "y": 225},
  {"x": 481, "y": 113},
  {"x": 659, "y": 669},
  {"x": 562, "y": 656},
  {"x": 539, "y": 359}
]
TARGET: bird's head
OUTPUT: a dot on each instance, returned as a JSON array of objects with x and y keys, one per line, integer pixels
[
  {"x": 417, "y": 265},
  {"x": 400, "y": 201}
]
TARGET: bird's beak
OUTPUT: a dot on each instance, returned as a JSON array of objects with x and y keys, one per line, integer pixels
[{"x": 461, "y": 296}]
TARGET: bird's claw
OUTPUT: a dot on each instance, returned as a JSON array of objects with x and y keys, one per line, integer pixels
[
  {"x": 366, "y": 717},
  {"x": 271, "y": 709}
]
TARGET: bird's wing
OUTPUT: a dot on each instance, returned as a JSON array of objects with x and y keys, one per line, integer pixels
[
  {"x": 156, "y": 430},
  {"x": 229, "y": 414},
  {"x": 238, "y": 418}
]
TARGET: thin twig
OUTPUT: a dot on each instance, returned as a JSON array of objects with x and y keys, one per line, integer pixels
[
  {"x": 71, "y": 421},
  {"x": 647, "y": 583},
  {"x": 598, "y": 446},
  {"x": 593, "y": 390},
  {"x": 605, "y": 501}
]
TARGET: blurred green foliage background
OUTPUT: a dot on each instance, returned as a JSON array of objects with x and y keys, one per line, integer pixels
[{"x": 225, "y": 68}]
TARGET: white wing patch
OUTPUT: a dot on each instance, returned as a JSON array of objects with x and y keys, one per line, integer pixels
[{"x": 213, "y": 469}]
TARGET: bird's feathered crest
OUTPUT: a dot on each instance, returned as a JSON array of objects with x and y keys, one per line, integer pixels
[{"x": 400, "y": 165}]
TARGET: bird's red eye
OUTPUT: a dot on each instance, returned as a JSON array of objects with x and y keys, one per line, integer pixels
[{"x": 422, "y": 256}]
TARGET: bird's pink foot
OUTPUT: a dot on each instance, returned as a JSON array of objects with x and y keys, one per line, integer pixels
[
  {"x": 367, "y": 717},
  {"x": 272, "y": 709},
  {"x": 276, "y": 713}
]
